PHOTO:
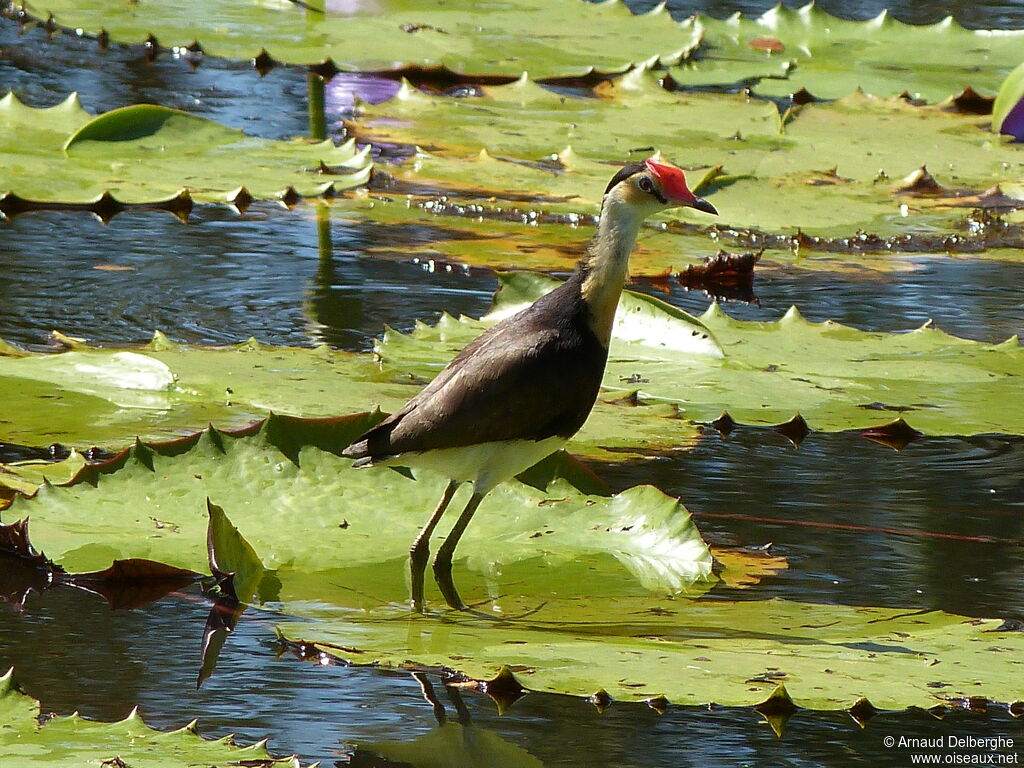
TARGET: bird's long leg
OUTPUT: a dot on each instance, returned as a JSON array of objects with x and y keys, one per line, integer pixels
[
  {"x": 443, "y": 560},
  {"x": 419, "y": 552}
]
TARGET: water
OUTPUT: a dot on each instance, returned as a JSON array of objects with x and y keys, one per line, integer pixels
[
  {"x": 958, "y": 504},
  {"x": 42, "y": 71},
  {"x": 224, "y": 278},
  {"x": 219, "y": 280},
  {"x": 938, "y": 525},
  {"x": 103, "y": 663}
]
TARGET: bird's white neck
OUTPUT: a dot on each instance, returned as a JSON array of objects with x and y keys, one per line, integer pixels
[{"x": 607, "y": 262}]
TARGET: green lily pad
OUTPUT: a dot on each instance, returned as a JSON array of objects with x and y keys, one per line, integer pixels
[
  {"x": 454, "y": 744},
  {"x": 585, "y": 592},
  {"x": 557, "y": 38},
  {"x": 700, "y": 651},
  {"x": 524, "y": 143},
  {"x": 835, "y": 376},
  {"x": 633, "y": 115},
  {"x": 26, "y": 476},
  {"x": 146, "y": 153},
  {"x": 305, "y": 510},
  {"x": 72, "y": 742},
  {"x": 794, "y": 48},
  {"x": 106, "y": 397},
  {"x": 832, "y": 169}
]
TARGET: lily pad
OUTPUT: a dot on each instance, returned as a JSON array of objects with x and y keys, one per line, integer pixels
[
  {"x": 835, "y": 376},
  {"x": 831, "y": 169},
  {"x": 106, "y": 397},
  {"x": 630, "y": 117},
  {"x": 794, "y": 48},
  {"x": 454, "y": 744},
  {"x": 26, "y": 476},
  {"x": 305, "y": 510},
  {"x": 71, "y": 742},
  {"x": 557, "y": 38},
  {"x": 146, "y": 153},
  {"x": 701, "y": 651},
  {"x": 585, "y": 592}
]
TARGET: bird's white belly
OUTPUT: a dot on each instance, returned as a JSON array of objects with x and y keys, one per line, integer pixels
[{"x": 486, "y": 464}]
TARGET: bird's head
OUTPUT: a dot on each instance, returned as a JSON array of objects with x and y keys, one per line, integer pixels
[{"x": 652, "y": 186}]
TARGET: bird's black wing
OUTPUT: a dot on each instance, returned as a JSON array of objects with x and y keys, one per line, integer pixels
[{"x": 531, "y": 376}]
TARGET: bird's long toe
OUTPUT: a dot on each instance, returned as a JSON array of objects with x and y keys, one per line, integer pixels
[{"x": 445, "y": 582}]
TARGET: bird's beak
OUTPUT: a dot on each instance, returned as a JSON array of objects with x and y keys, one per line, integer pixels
[{"x": 703, "y": 205}]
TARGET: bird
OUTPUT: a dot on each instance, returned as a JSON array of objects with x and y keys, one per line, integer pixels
[{"x": 521, "y": 389}]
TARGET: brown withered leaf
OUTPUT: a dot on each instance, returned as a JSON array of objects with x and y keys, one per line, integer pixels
[
  {"x": 131, "y": 583},
  {"x": 724, "y": 276},
  {"x": 921, "y": 183},
  {"x": 993, "y": 197},
  {"x": 503, "y": 689},
  {"x": 969, "y": 102},
  {"x": 829, "y": 178},
  {"x": 894, "y": 434},
  {"x": 743, "y": 568},
  {"x": 767, "y": 44},
  {"x": 15, "y": 541},
  {"x": 220, "y": 623},
  {"x": 794, "y": 430}
]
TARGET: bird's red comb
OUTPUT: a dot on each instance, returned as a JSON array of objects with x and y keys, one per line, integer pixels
[{"x": 672, "y": 181}]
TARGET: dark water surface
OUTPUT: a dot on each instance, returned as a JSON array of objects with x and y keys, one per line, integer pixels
[
  {"x": 223, "y": 278},
  {"x": 936, "y": 526}
]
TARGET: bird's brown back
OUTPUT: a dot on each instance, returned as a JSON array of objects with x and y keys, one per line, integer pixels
[{"x": 532, "y": 376}]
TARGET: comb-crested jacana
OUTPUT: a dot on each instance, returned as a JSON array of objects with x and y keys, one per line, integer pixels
[{"x": 522, "y": 388}]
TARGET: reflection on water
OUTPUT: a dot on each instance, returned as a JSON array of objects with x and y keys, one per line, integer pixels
[
  {"x": 286, "y": 278},
  {"x": 42, "y": 72},
  {"x": 219, "y": 280},
  {"x": 73, "y": 653},
  {"x": 959, "y": 503}
]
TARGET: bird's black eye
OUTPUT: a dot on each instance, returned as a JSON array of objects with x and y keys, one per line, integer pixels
[{"x": 645, "y": 184}]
